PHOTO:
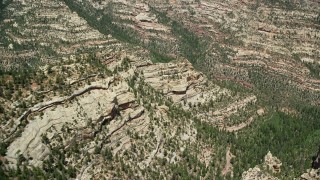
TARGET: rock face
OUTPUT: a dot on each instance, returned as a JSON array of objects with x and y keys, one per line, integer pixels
[
  {"x": 97, "y": 104},
  {"x": 311, "y": 174},
  {"x": 113, "y": 110},
  {"x": 131, "y": 114},
  {"x": 178, "y": 80},
  {"x": 146, "y": 17},
  {"x": 273, "y": 163},
  {"x": 257, "y": 174},
  {"x": 270, "y": 163}
]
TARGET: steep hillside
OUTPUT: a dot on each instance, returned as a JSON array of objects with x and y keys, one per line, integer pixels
[
  {"x": 153, "y": 89},
  {"x": 256, "y": 44}
]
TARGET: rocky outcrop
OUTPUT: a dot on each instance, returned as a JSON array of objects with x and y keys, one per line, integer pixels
[
  {"x": 75, "y": 112},
  {"x": 311, "y": 174},
  {"x": 257, "y": 174},
  {"x": 107, "y": 114},
  {"x": 272, "y": 163},
  {"x": 179, "y": 81},
  {"x": 260, "y": 172},
  {"x": 146, "y": 17},
  {"x": 60, "y": 100}
]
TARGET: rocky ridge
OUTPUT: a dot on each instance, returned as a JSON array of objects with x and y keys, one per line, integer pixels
[
  {"x": 100, "y": 106},
  {"x": 131, "y": 109}
]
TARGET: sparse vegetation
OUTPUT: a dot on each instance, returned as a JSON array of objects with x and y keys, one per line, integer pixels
[{"x": 314, "y": 69}]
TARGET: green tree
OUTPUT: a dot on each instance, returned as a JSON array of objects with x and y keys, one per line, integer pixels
[{"x": 108, "y": 154}]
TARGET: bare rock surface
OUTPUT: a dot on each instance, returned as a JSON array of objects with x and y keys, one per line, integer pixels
[
  {"x": 311, "y": 174},
  {"x": 256, "y": 173},
  {"x": 103, "y": 104},
  {"x": 273, "y": 163},
  {"x": 260, "y": 172}
]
